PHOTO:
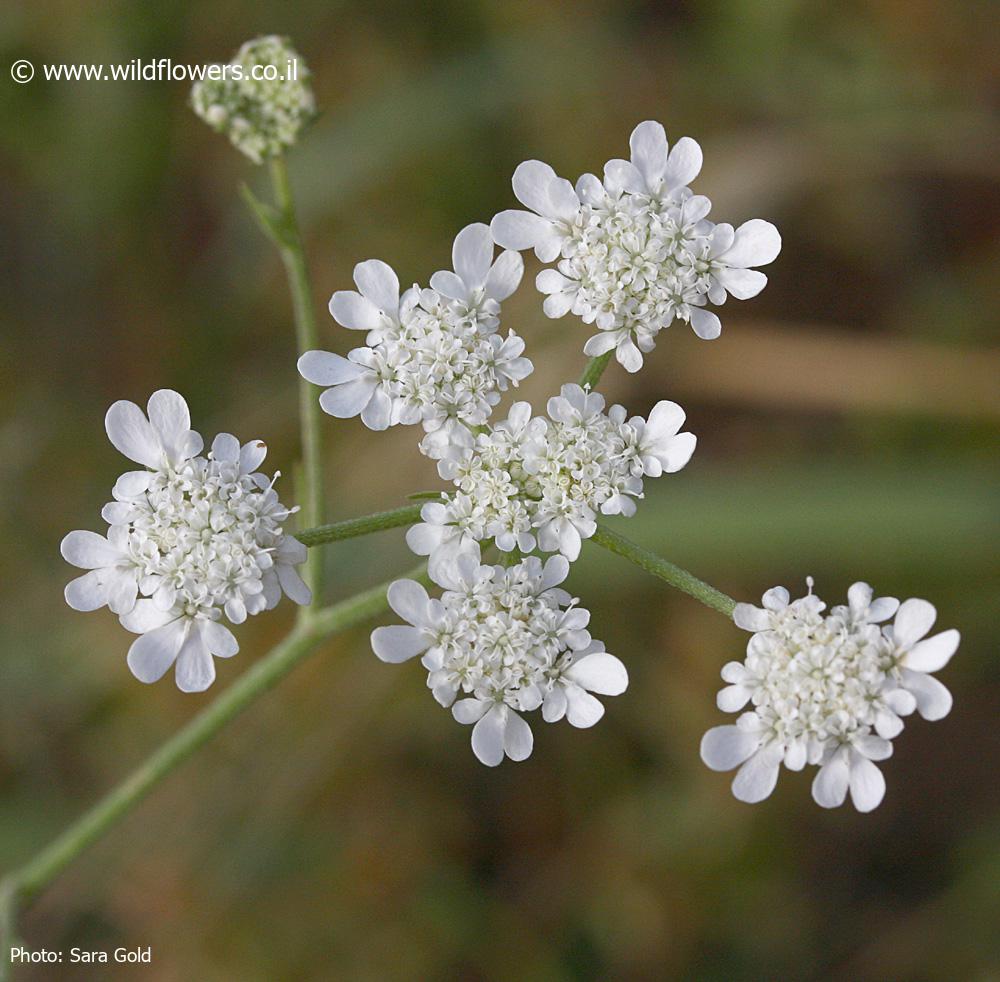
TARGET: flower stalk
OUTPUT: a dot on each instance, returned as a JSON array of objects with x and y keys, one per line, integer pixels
[
  {"x": 280, "y": 224},
  {"x": 353, "y": 527},
  {"x": 22, "y": 885},
  {"x": 665, "y": 570}
]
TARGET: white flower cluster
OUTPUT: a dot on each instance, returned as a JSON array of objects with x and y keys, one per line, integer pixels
[
  {"x": 509, "y": 640},
  {"x": 433, "y": 356},
  {"x": 635, "y": 251},
  {"x": 531, "y": 482},
  {"x": 191, "y": 537},
  {"x": 262, "y": 99},
  {"x": 827, "y": 689}
]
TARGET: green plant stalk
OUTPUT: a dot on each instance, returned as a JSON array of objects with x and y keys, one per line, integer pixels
[
  {"x": 284, "y": 232},
  {"x": 670, "y": 573},
  {"x": 595, "y": 369},
  {"x": 353, "y": 527},
  {"x": 24, "y": 884}
]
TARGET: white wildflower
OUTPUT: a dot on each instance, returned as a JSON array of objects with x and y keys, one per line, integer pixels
[
  {"x": 191, "y": 537},
  {"x": 261, "y": 100},
  {"x": 433, "y": 356},
  {"x": 532, "y": 482},
  {"x": 829, "y": 690},
  {"x": 636, "y": 251},
  {"x": 509, "y": 640}
]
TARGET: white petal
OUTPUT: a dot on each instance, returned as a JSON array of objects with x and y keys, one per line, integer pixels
[
  {"x": 145, "y": 616},
  {"x": 219, "y": 640},
  {"x": 87, "y": 592},
  {"x": 756, "y": 779},
  {"x": 292, "y": 585},
  {"x": 226, "y": 447},
  {"x": 741, "y": 283},
  {"x": 882, "y": 608},
  {"x": 132, "y": 435},
  {"x": 867, "y": 784},
  {"x": 623, "y": 175},
  {"x": 153, "y": 653},
  {"x": 472, "y": 254},
  {"x": 933, "y": 699},
  {"x": 170, "y": 418},
  {"x": 873, "y": 747},
  {"x": 131, "y": 484},
  {"x": 648, "y": 144},
  {"x": 88, "y": 550},
  {"x": 932, "y": 654},
  {"x": 398, "y": 643},
  {"x": 705, "y": 324},
  {"x": 678, "y": 452},
  {"x": 195, "y": 670},
  {"x": 252, "y": 455},
  {"x": 732, "y": 698},
  {"x": 829, "y": 787},
  {"x": 557, "y": 305},
  {"x": 450, "y": 284},
  {"x": 628, "y": 355},
  {"x": 683, "y": 164},
  {"x": 409, "y": 599},
  {"x": 377, "y": 415},
  {"x": 601, "y": 672},
  {"x": 756, "y": 243},
  {"x": 488, "y": 736},
  {"x": 349, "y": 399},
  {"x": 555, "y": 704},
  {"x": 583, "y": 709},
  {"x": 726, "y": 747},
  {"x": 751, "y": 618},
  {"x": 515, "y": 229},
  {"x": 913, "y": 620},
  {"x": 123, "y": 588},
  {"x": 326, "y": 368},
  {"x": 504, "y": 276},
  {"x": 517, "y": 739},
  {"x": 379, "y": 284},
  {"x": 355, "y": 312},
  {"x": 470, "y": 710}
]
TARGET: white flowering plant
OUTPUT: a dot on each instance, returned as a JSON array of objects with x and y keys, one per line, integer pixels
[{"x": 197, "y": 539}]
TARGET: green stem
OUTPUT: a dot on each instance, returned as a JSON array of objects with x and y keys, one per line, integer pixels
[
  {"x": 287, "y": 237},
  {"x": 353, "y": 527},
  {"x": 665, "y": 570},
  {"x": 595, "y": 369},
  {"x": 23, "y": 884}
]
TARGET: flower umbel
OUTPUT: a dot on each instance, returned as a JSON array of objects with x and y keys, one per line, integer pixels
[
  {"x": 531, "y": 482},
  {"x": 635, "y": 251},
  {"x": 191, "y": 537},
  {"x": 261, "y": 100},
  {"x": 509, "y": 640},
  {"x": 827, "y": 689},
  {"x": 433, "y": 356}
]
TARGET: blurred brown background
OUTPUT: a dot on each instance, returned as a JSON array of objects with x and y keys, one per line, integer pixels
[{"x": 341, "y": 829}]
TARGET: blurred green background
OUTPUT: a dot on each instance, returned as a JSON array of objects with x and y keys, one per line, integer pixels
[{"x": 847, "y": 418}]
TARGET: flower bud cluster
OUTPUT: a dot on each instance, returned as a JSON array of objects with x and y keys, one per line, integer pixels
[{"x": 261, "y": 100}]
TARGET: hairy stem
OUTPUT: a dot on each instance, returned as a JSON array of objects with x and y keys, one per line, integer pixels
[
  {"x": 22, "y": 885},
  {"x": 287, "y": 237},
  {"x": 353, "y": 527},
  {"x": 595, "y": 369},
  {"x": 665, "y": 570}
]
